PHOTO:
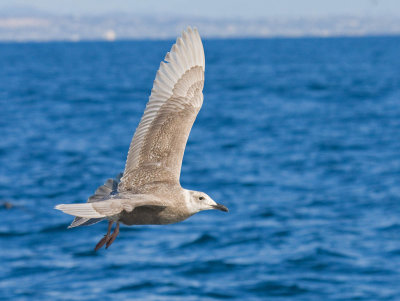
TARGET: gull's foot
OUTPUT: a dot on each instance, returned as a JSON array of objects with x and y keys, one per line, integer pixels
[
  {"x": 102, "y": 242},
  {"x": 113, "y": 236},
  {"x": 106, "y": 237}
]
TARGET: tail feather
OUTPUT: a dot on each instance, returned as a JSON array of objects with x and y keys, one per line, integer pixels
[
  {"x": 82, "y": 221},
  {"x": 82, "y": 210},
  {"x": 101, "y": 194}
]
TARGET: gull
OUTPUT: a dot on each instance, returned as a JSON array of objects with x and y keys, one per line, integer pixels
[{"x": 148, "y": 192}]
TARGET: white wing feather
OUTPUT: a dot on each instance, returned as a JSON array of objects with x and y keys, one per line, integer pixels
[{"x": 187, "y": 53}]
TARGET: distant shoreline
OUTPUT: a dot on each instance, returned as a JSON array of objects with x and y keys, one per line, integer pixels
[
  {"x": 206, "y": 39},
  {"x": 114, "y": 27}
]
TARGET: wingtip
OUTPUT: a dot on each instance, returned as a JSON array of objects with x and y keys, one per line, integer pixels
[
  {"x": 193, "y": 31},
  {"x": 189, "y": 31}
]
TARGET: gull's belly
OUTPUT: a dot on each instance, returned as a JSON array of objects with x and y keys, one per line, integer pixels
[{"x": 153, "y": 215}]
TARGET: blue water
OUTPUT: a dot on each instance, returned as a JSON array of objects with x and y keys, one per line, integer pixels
[{"x": 300, "y": 138}]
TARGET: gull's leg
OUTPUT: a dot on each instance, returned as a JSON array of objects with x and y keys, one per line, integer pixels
[
  {"x": 105, "y": 238},
  {"x": 113, "y": 236}
]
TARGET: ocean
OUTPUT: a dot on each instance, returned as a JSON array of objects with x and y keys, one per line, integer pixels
[{"x": 299, "y": 137}]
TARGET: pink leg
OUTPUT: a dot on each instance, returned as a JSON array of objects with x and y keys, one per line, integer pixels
[
  {"x": 113, "y": 236},
  {"x": 105, "y": 238}
]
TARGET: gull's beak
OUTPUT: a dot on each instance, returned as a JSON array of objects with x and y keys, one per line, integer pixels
[{"x": 220, "y": 207}]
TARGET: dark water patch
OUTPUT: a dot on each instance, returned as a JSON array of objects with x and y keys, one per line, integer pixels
[
  {"x": 394, "y": 252},
  {"x": 395, "y": 227},
  {"x": 331, "y": 253},
  {"x": 249, "y": 184},
  {"x": 230, "y": 145},
  {"x": 317, "y": 86},
  {"x": 116, "y": 267},
  {"x": 376, "y": 271},
  {"x": 219, "y": 295},
  {"x": 137, "y": 286},
  {"x": 135, "y": 265},
  {"x": 56, "y": 228},
  {"x": 89, "y": 253},
  {"x": 34, "y": 270},
  {"x": 267, "y": 213},
  {"x": 273, "y": 288},
  {"x": 243, "y": 239},
  {"x": 326, "y": 278},
  {"x": 323, "y": 260},
  {"x": 13, "y": 233},
  {"x": 328, "y": 202},
  {"x": 282, "y": 233},
  {"x": 200, "y": 241},
  {"x": 209, "y": 267}
]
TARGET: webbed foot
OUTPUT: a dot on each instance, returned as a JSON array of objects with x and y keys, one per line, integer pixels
[
  {"x": 106, "y": 237},
  {"x": 113, "y": 236}
]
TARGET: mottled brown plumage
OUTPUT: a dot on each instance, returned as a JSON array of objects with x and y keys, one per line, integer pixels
[{"x": 149, "y": 191}]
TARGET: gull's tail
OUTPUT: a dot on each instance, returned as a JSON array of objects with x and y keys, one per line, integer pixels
[
  {"x": 85, "y": 210},
  {"x": 102, "y": 209},
  {"x": 102, "y": 193}
]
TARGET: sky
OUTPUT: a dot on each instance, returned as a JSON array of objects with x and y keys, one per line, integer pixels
[{"x": 216, "y": 8}]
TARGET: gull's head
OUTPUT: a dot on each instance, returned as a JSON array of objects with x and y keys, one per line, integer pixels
[{"x": 199, "y": 201}]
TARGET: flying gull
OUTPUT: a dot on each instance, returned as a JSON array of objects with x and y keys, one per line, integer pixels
[{"x": 148, "y": 192}]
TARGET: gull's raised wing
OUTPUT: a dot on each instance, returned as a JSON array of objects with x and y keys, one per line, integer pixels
[{"x": 156, "y": 151}]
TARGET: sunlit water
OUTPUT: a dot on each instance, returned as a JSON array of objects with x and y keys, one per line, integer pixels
[{"x": 300, "y": 138}]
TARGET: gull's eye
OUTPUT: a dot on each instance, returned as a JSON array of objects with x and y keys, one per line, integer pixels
[{"x": 201, "y": 198}]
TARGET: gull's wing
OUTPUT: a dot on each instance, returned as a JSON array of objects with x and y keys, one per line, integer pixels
[
  {"x": 110, "y": 207},
  {"x": 156, "y": 150}
]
